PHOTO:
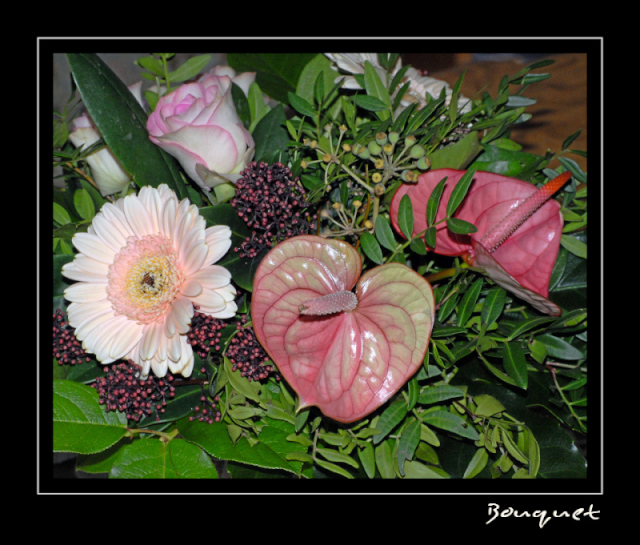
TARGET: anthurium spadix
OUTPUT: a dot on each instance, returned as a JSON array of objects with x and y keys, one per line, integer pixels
[
  {"x": 344, "y": 351},
  {"x": 518, "y": 228}
]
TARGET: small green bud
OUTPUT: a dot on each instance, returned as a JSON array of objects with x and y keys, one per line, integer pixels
[
  {"x": 409, "y": 176},
  {"x": 388, "y": 148},
  {"x": 374, "y": 148},
  {"x": 379, "y": 163},
  {"x": 381, "y": 138},
  {"x": 417, "y": 152},
  {"x": 376, "y": 177},
  {"x": 410, "y": 141},
  {"x": 361, "y": 151},
  {"x": 394, "y": 137},
  {"x": 423, "y": 163},
  {"x": 378, "y": 189}
]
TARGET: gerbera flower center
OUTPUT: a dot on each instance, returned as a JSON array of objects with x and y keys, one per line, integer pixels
[{"x": 144, "y": 278}]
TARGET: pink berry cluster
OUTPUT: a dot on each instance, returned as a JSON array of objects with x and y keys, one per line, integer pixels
[
  {"x": 247, "y": 355},
  {"x": 66, "y": 348},
  {"x": 273, "y": 204},
  {"x": 122, "y": 389}
]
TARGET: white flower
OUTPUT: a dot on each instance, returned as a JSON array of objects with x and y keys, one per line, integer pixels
[
  {"x": 144, "y": 263},
  {"x": 419, "y": 85}
]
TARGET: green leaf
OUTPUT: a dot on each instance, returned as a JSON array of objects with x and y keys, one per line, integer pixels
[
  {"x": 460, "y": 192},
  {"x": 450, "y": 422},
  {"x": 477, "y": 464},
  {"x": 270, "y": 135},
  {"x": 60, "y": 215},
  {"x": 408, "y": 443},
  {"x": 460, "y": 227},
  {"x": 515, "y": 363},
  {"x": 318, "y": 69},
  {"x": 468, "y": 302},
  {"x": 559, "y": 348},
  {"x": 334, "y": 468},
  {"x": 574, "y": 245},
  {"x": 80, "y": 423},
  {"x": 189, "y": 69},
  {"x": 367, "y": 459},
  {"x": 493, "y": 306},
  {"x": 301, "y": 105},
  {"x": 376, "y": 88},
  {"x": 405, "y": 217},
  {"x": 487, "y": 405},
  {"x": 371, "y": 248},
  {"x": 123, "y": 123},
  {"x": 155, "y": 459},
  {"x": 384, "y": 233},
  {"x": 337, "y": 457},
  {"x": 370, "y": 103},
  {"x": 390, "y": 418},
  {"x": 438, "y": 393},
  {"x": 569, "y": 140},
  {"x": 384, "y": 460},
  {"x": 277, "y": 74},
  {"x": 249, "y": 389},
  {"x": 434, "y": 202},
  {"x": 84, "y": 204},
  {"x": 269, "y": 451}
]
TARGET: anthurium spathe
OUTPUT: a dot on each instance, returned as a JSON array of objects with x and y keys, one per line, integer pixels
[
  {"x": 518, "y": 228},
  {"x": 345, "y": 352}
]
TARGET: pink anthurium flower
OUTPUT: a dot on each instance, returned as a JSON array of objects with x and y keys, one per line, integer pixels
[
  {"x": 345, "y": 352},
  {"x": 518, "y": 229}
]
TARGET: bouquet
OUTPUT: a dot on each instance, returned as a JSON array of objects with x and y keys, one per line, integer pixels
[{"x": 314, "y": 266}]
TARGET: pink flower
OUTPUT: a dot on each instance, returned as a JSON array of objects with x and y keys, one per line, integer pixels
[
  {"x": 518, "y": 229},
  {"x": 144, "y": 263},
  {"x": 198, "y": 124},
  {"x": 345, "y": 352}
]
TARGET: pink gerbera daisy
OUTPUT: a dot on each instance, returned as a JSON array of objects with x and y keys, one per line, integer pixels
[{"x": 142, "y": 265}]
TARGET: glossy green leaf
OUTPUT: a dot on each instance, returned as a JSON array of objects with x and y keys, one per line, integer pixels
[
  {"x": 493, "y": 306},
  {"x": 468, "y": 302},
  {"x": 277, "y": 74},
  {"x": 405, "y": 217},
  {"x": 438, "y": 393},
  {"x": 460, "y": 227},
  {"x": 384, "y": 233},
  {"x": 460, "y": 192},
  {"x": 451, "y": 422},
  {"x": 337, "y": 457},
  {"x": 384, "y": 460},
  {"x": 487, "y": 405},
  {"x": 371, "y": 248},
  {"x": 271, "y": 136},
  {"x": 515, "y": 363},
  {"x": 367, "y": 459},
  {"x": 559, "y": 348},
  {"x": 123, "y": 123},
  {"x": 189, "y": 69},
  {"x": 390, "y": 418},
  {"x": 477, "y": 464},
  {"x": 80, "y": 423},
  {"x": 301, "y": 105},
  {"x": 155, "y": 459},
  {"x": 84, "y": 204},
  {"x": 407, "y": 444},
  {"x": 434, "y": 202}
]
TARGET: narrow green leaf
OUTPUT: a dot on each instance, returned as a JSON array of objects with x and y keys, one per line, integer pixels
[
  {"x": 569, "y": 140},
  {"x": 418, "y": 246},
  {"x": 559, "y": 348},
  {"x": 515, "y": 363},
  {"x": 240, "y": 384},
  {"x": 60, "y": 215},
  {"x": 477, "y": 464},
  {"x": 189, "y": 69},
  {"x": 434, "y": 201},
  {"x": 370, "y": 103},
  {"x": 460, "y": 227},
  {"x": 513, "y": 448},
  {"x": 575, "y": 246},
  {"x": 468, "y": 302},
  {"x": 407, "y": 444},
  {"x": 390, "y": 418},
  {"x": 367, "y": 459},
  {"x": 460, "y": 191},
  {"x": 334, "y": 468},
  {"x": 371, "y": 248},
  {"x": 337, "y": 457},
  {"x": 430, "y": 237},
  {"x": 375, "y": 87},
  {"x": 384, "y": 460},
  {"x": 384, "y": 233},
  {"x": 493, "y": 306},
  {"x": 450, "y": 422},
  {"x": 438, "y": 393},
  {"x": 84, "y": 204},
  {"x": 301, "y": 105},
  {"x": 405, "y": 217},
  {"x": 533, "y": 452}
]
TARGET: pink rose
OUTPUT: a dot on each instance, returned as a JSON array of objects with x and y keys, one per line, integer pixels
[{"x": 198, "y": 124}]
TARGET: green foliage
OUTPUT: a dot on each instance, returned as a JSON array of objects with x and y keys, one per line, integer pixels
[{"x": 500, "y": 383}]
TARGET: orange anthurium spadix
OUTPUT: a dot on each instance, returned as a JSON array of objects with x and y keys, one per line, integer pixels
[
  {"x": 518, "y": 228},
  {"x": 345, "y": 352}
]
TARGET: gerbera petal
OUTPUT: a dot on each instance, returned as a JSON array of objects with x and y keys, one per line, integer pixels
[
  {"x": 91, "y": 246},
  {"x": 83, "y": 292},
  {"x": 159, "y": 367},
  {"x": 174, "y": 348},
  {"x": 191, "y": 288},
  {"x": 184, "y": 365},
  {"x": 79, "y": 314},
  {"x": 151, "y": 340},
  {"x": 75, "y": 270},
  {"x": 137, "y": 216},
  {"x": 212, "y": 277},
  {"x": 107, "y": 234}
]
